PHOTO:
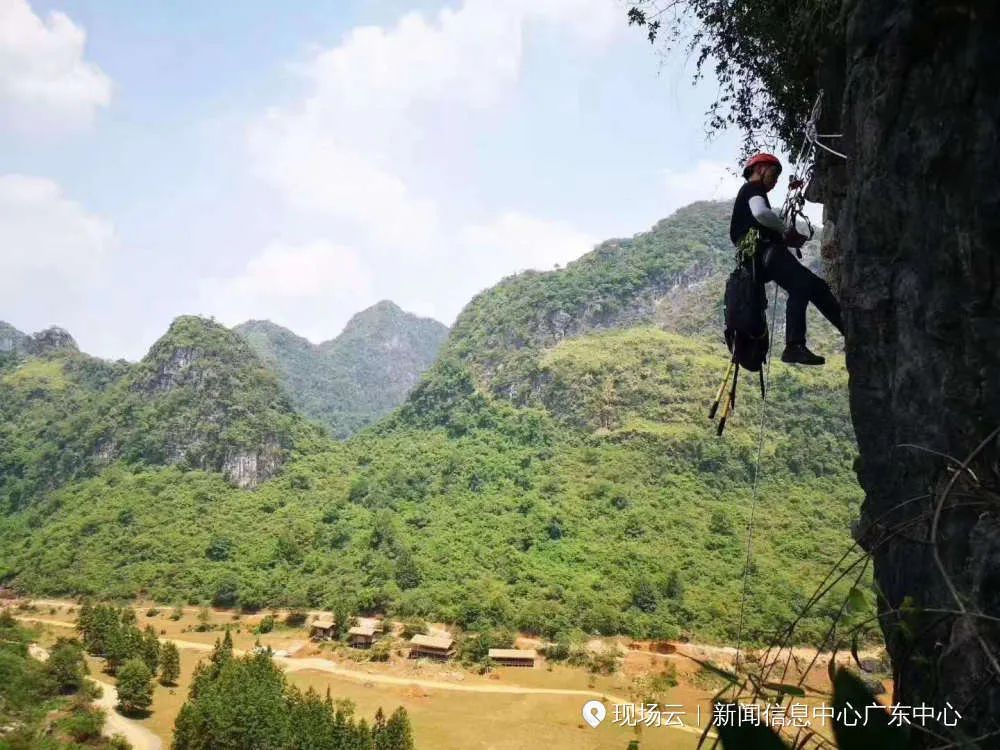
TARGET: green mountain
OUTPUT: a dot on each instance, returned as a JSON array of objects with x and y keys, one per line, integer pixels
[
  {"x": 200, "y": 398},
  {"x": 673, "y": 276},
  {"x": 553, "y": 471},
  {"x": 360, "y": 376}
]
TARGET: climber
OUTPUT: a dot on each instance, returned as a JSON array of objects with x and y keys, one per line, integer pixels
[{"x": 762, "y": 238}]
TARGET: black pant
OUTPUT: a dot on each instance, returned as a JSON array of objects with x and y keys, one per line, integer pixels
[{"x": 803, "y": 287}]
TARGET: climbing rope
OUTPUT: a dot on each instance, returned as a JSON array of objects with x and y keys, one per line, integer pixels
[
  {"x": 813, "y": 137},
  {"x": 756, "y": 473}
]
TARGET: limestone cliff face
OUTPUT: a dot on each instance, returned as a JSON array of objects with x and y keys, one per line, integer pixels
[
  {"x": 52, "y": 339},
  {"x": 207, "y": 402},
  {"x": 915, "y": 253}
]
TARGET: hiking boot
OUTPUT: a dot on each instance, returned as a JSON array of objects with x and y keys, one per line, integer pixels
[{"x": 797, "y": 354}]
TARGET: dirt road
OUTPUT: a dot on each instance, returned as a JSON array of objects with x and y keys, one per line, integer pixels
[
  {"x": 138, "y": 736},
  {"x": 114, "y": 723}
]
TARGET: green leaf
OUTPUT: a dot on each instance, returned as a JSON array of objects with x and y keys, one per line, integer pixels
[
  {"x": 785, "y": 688},
  {"x": 856, "y": 601},
  {"x": 718, "y": 670}
]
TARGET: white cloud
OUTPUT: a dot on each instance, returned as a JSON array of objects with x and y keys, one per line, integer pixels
[
  {"x": 44, "y": 81},
  {"x": 44, "y": 235},
  {"x": 716, "y": 181},
  {"x": 516, "y": 242},
  {"x": 302, "y": 286},
  {"x": 706, "y": 181},
  {"x": 317, "y": 174},
  {"x": 374, "y": 102},
  {"x": 56, "y": 258}
]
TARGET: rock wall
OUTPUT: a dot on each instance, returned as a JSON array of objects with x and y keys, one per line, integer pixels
[
  {"x": 50, "y": 340},
  {"x": 915, "y": 250}
]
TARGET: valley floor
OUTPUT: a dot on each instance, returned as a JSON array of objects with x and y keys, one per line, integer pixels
[{"x": 449, "y": 706}]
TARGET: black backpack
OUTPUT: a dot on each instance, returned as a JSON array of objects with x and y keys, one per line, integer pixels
[
  {"x": 746, "y": 333},
  {"x": 746, "y": 318}
]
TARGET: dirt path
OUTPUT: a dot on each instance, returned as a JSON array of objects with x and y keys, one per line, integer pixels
[
  {"x": 138, "y": 736},
  {"x": 57, "y": 623},
  {"x": 325, "y": 665},
  {"x": 114, "y": 723}
]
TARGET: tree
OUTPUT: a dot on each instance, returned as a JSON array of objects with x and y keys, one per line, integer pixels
[
  {"x": 84, "y": 618},
  {"x": 66, "y": 666},
  {"x": 170, "y": 663},
  {"x": 608, "y": 404},
  {"x": 246, "y": 702},
  {"x": 407, "y": 572},
  {"x": 240, "y": 704},
  {"x": 149, "y": 649},
  {"x": 644, "y": 595},
  {"x": 396, "y": 734},
  {"x": 219, "y": 549},
  {"x": 204, "y": 617},
  {"x": 135, "y": 688},
  {"x": 223, "y": 650},
  {"x": 766, "y": 57}
]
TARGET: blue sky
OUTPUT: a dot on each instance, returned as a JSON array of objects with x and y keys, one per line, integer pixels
[{"x": 301, "y": 161}]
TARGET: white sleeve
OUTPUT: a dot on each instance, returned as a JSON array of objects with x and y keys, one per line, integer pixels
[{"x": 765, "y": 215}]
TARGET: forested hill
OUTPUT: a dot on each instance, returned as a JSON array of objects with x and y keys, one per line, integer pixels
[
  {"x": 350, "y": 381},
  {"x": 200, "y": 398},
  {"x": 618, "y": 284},
  {"x": 594, "y": 498},
  {"x": 671, "y": 277}
]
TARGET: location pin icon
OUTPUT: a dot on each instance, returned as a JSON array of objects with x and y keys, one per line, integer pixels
[{"x": 594, "y": 713}]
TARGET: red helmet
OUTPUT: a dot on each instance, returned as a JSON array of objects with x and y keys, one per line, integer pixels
[{"x": 761, "y": 158}]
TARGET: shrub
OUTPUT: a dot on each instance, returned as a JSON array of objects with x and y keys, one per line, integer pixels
[
  {"x": 266, "y": 624},
  {"x": 84, "y": 725},
  {"x": 604, "y": 663},
  {"x": 414, "y": 627},
  {"x": 558, "y": 651},
  {"x": 381, "y": 650}
]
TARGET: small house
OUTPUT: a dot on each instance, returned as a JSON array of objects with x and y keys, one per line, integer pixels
[
  {"x": 513, "y": 657},
  {"x": 361, "y": 636},
  {"x": 375, "y": 623},
  {"x": 432, "y": 646},
  {"x": 322, "y": 628}
]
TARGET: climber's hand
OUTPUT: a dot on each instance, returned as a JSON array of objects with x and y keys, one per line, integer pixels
[{"x": 794, "y": 239}]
